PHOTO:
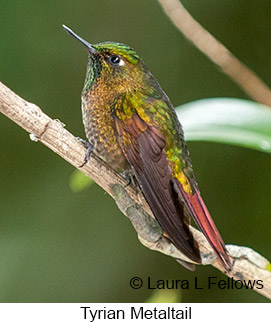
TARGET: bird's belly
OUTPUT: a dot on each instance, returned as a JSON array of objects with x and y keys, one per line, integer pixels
[
  {"x": 110, "y": 152},
  {"x": 99, "y": 131}
]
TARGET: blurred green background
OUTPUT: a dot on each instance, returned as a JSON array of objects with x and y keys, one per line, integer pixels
[{"x": 58, "y": 246}]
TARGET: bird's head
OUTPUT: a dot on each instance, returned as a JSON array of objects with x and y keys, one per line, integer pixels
[{"x": 112, "y": 67}]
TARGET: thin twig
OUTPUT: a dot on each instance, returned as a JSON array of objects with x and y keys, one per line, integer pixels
[
  {"x": 248, "y": 265},
  {"x": 217, "y": 52}
]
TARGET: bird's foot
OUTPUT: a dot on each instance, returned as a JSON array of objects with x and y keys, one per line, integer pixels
[
  {"x": 128, "y": 176},
  {"x": 130, "y": 180},
  {"x": 89, "y": 147}
]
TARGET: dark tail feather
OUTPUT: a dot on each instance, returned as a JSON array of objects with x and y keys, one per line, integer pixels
[{"x": 186, "y": 265}]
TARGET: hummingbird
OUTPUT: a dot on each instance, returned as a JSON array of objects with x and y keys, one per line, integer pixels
[{"x": 131, "y": 124}]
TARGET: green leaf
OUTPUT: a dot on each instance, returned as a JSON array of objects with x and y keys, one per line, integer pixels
[
  {"x": 230, "y": 121},
  {"x": 79, "y": 181}
]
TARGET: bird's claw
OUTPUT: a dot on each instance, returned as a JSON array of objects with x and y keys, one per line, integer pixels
[
  {"x": 128, "y": 177},
  {"x": 130, "y": 180},
  {"x": 89, "y": 147}
]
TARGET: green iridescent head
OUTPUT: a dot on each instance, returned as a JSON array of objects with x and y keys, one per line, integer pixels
[{"x": 114, "y": 65}]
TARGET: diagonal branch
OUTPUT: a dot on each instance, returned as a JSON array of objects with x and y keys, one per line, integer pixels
[
  {"x": 217, "y": 52},
  {"x": 248, "y": 265}
]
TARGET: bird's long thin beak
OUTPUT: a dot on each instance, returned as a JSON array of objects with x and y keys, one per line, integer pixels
[{"x": 85, "y": 43}]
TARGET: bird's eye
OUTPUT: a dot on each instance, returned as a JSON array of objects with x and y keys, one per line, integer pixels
[{"x": 115, "y": 60}]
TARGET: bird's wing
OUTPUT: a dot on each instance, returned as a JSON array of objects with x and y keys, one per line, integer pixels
[{"x": 143, "y": 146}]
